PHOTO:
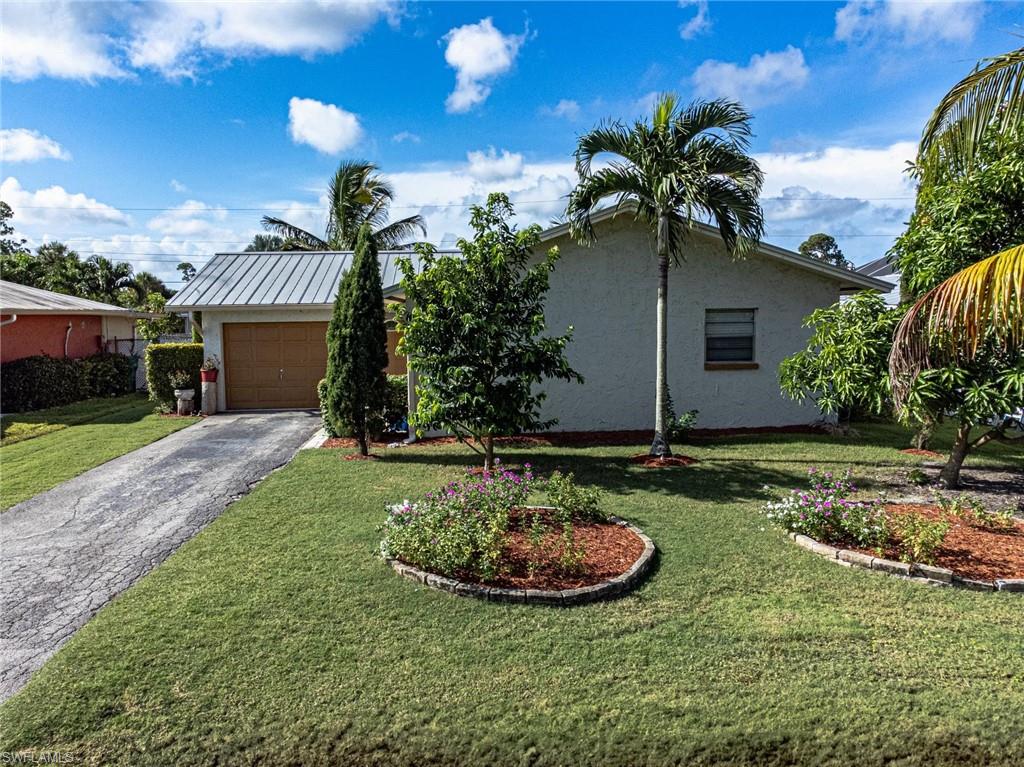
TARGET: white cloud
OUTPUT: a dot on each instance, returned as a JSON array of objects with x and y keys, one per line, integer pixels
[
  {"x": 177, "y": 186},
  {"x": 325, "y": 127},
  {"x": 55, "y": 39},
  {"x": 767, "y": 78},
  {"x": 404, "y": 136},
  {"x": 911, "y": 22},
  {"x": 701, "y": 21},
  {"x": 798, "y": 203},
  {"x": 175, "y": 37},
  {"x": 191, "y": 219},
  {"x": 55, "y": 205},
  {"x": 478, "y": 53},
  {"x": 565, "y": 108},
  {"x": 23, "y": 145},
  {"x": 491, "y": 166}
]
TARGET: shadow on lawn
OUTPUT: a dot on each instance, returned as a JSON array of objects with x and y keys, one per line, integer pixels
[
  {"x": 706, "y": 481},
  {"x": 19, "y": 426}
]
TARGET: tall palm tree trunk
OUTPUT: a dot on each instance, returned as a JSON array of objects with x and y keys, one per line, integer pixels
[{"x": 660, "y": 446}]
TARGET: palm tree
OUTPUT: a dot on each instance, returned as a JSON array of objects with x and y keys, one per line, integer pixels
[
  {"x": 106, "y": 278},
  {"x": 686, "y": 164},
  {"x": 357, "y": 195},
  {"x": 986, "y": 297},
  {"x": 146, "y": 283}
]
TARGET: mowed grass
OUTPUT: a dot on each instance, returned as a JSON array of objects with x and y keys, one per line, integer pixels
[
  {"x": 276, "y": 636},
  {"x": 42, "y": 449}
]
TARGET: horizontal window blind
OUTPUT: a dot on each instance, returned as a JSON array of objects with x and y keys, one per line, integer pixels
[{"x": 729, "y": 335}]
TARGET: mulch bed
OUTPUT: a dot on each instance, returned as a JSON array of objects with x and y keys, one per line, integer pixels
[
  {"x": 970, "y": 549},
  {"x": 619, "y": 438},
  {"x": 610, "y": 550},
  {"x": 918, "y": 451},
  {"x": 351, "y": 442},
  {"x": 358, "y": 457},
  {"x": 654, "y": 462}
]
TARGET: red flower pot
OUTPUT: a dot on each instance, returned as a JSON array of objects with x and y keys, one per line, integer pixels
[{"x": 208, "y": 375}]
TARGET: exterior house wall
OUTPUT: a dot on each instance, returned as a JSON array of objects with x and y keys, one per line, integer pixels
[
  {"x": 119, "y": 328},
  {"x": 34, "y": 334},
  {"x": 608, "y": 292}
]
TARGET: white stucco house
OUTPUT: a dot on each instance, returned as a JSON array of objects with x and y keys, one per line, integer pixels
[{"x": 730, "y": 325}]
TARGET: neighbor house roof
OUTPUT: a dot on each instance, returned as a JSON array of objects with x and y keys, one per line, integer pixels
[
  {"x": 880, "y": 267},
  {"x": 275, "y": 280},
  {"x": 849, "y": 280},
  {"x": 22, "y": 299}
]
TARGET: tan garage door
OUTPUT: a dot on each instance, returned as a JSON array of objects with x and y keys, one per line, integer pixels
[{"x": 273, "y": 364}]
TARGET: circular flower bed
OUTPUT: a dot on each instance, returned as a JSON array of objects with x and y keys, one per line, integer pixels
[
  {"x": 479, "y": 537},
  {"x": 955, "y": 541}
]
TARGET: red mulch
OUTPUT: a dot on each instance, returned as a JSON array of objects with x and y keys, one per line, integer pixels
[
  {"x": 358, "y": 457},
  {"x": 618, "y": 438},
  {"x": 351, "y": 442},
  {"x": 609, "y": 549},
  {"x": 654, "y": 462},
  {"x": 477, "y": 471},
  {"x": 970, "y": 549},
  {"x": 918, "y": 451}
]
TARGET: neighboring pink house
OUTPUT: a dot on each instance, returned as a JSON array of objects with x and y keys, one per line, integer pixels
[{"x": 35, "y": 321}]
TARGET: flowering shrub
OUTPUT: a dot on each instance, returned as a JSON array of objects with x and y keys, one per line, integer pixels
[
  {"x": 459, "y": 528},
  {"x": 825, "y": 514}
]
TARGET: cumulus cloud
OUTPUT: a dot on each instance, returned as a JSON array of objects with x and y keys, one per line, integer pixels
[
  {"x": 23, "y": 145},
  {"x": 56, "y": 39},
  {"x": 191, "y": 219},
  {"x": 911, "y": 22},
  {"x": 478, "y": 53},
  {"x": 767, "y": 78},
  {"x": 565, "y": 108},
  {"x": 325, "y": 127},
  {"x": 176, "y": 37},
  {"x": 701, "y": 21},
  {"x": 798, "y": 203},
  {"x": 403, "y": 136},
  {"x": 490, "y": 166},
  {"x": 55, "y": 205},
  {"x": 177, "y": 186}
]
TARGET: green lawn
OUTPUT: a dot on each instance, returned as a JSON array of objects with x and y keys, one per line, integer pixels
[
  {"x": 42, "y": 449},
  {"x": 277, "y": 637}
]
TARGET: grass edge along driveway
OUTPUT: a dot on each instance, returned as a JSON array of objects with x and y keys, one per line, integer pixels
[
  {"x": 277, "y": 636},
  {"x": 55, "y": 445}
]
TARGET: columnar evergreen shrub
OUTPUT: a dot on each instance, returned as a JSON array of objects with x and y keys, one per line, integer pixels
[
  {"x": 164, "y": 359},
  {"x": 357, "y": 352},
  {"x": 34, "y": 383}
]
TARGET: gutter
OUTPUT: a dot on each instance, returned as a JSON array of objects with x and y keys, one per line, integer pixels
[{"x": 11, "y": 321}]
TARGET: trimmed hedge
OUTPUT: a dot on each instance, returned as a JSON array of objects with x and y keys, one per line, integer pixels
[
  {"x": 396, "y": 408},
  {"x": 35, "y": 383},
  {"x": 164, "y": 359}
]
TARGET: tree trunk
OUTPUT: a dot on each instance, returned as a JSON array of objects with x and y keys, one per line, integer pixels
[
  {"x": 489, "y": 452},
  {"x": 949, "y": 477},
  {"x": 364, "y": 448},
  {"x": 660, "y": 446}
]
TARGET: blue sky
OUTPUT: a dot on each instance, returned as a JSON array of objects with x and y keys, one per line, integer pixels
[{"x": 156, "y": 130}]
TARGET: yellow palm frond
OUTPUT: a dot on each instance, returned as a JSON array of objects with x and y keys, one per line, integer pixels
[{"x": 983, "y": 301}]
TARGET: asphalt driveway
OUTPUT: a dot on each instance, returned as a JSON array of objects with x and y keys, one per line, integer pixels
[{"x": 67, "y": 552}]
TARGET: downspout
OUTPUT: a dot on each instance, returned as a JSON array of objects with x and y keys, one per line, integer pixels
[
  {"x": 11, "y": 321},
  {"x": 67, "y": 338}
]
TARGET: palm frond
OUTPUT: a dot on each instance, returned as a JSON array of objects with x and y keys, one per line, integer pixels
[
  {"x": 295, "y": 238},
  {"x": 983, "y": 302},
  {"x": 700, "y": 117},
  {"x": 399, "y": 235},
  {"x": 990, "y": 96},
  {"x": 611, "y": 138}
]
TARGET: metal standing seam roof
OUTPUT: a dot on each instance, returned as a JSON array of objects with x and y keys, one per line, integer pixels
[
  {"x": 880, "y": 267},
  {"x": 22, "y": 299},
  {"x": 280, "y": 279}
]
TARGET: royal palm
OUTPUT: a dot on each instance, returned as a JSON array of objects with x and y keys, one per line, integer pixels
[{"x": 680, "y": 166}]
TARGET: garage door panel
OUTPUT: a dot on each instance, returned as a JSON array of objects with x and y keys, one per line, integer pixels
[{"x": 257, "y": 353}]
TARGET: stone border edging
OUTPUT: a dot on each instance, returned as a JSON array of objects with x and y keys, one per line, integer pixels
[
  {"x": 616, "y": 586},
  {"x": 913, "y": 571}
]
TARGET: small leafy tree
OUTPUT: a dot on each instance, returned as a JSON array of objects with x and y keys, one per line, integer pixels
[
  {"x": 824, "y": 248},
  {"x": 473, "y": 334},
  {"x": 165, "y": 324},
  {"x": 845, "y": 366},
  {"x": 357, "y": 352}
]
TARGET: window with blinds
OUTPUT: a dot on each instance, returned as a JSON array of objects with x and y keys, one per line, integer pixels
[{"x": 729, "y": 335}]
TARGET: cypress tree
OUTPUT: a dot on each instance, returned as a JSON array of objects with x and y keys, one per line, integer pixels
[{"x": 357, "y": 344}]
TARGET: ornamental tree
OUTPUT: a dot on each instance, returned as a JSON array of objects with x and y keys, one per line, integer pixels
[
  {"x": 845, "y": 367},
  {"x": 824, "y": 248},
  {"x": 357, "y": 353},
  {"x": 474, "y": 332}
]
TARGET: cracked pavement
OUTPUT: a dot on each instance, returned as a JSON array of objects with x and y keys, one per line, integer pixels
[{"x": 67, "y": 552}]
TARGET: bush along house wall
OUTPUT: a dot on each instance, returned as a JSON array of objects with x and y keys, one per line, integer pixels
[
  {"x": 164, "y": 359},
  {"x": 34, "y": 383},
  {"x": 395, "y": 411}
]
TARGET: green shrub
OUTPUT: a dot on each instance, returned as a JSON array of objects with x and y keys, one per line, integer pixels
[
  {"x": 34, "y": 383},
  {"x": 919, "y": 537},
  {"x": 582, "y": 503},
  {"x": 164, "y": 359},
  {"x": 394, "y": 411}
]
